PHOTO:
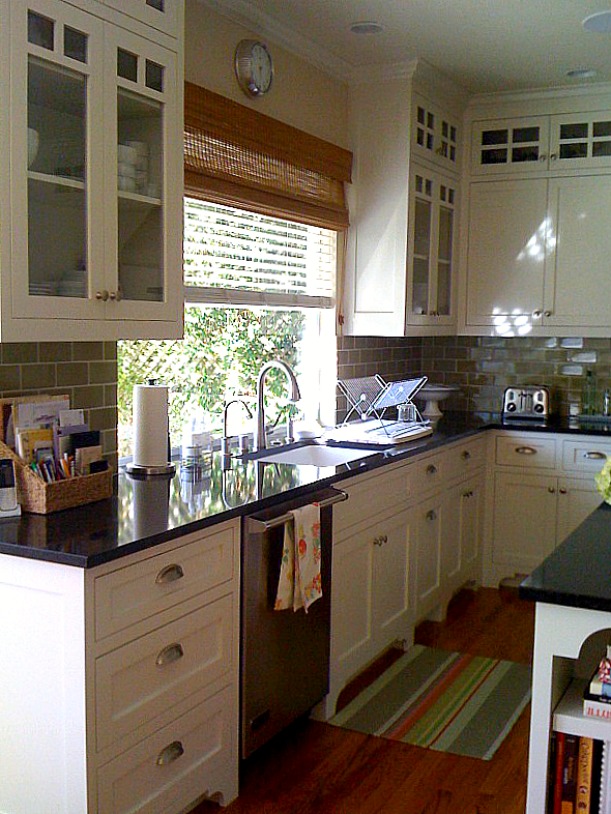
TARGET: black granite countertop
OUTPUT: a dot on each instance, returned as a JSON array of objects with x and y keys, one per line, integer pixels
[
  {"x": 146, "y": 512},
  {"x": 578, "y": 572}
]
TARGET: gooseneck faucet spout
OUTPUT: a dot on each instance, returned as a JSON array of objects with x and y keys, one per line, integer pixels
[{"x": 260, "y": 437}]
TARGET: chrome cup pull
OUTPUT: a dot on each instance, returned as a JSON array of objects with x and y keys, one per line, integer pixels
[
  {"x": 171, "y": 573},
  {"x": 171, "y": 753},
  {"x": 526, "y": 451},
  {"x": 595, "y": 456},
  {"x": 170, "y": 654}
]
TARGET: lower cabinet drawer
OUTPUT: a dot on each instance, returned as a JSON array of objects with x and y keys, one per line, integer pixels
[
  {"x": 531, "y": 453},
  {"x": 194, "y": 755},
  {"x": 585, "y": 455},
  {"x": 143, "y": 679}
]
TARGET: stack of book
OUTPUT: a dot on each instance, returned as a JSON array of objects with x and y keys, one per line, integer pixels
[
  {"x": 597, "y": 695},
  {"x": 576, "y": 768}
]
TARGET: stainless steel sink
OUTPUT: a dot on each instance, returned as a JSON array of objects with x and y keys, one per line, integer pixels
[{"x": 315, "y": 455}]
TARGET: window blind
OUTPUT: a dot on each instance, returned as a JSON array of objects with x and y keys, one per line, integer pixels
[
  {"x": 238, "y": 156},
  {"x": 238, "y": 257}
]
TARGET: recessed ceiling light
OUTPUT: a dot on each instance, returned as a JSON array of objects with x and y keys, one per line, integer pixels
[
  {"x": 599, "y": 22},
  {"x": 581, "y": 73},
  {"x": 366, "y": 27}
]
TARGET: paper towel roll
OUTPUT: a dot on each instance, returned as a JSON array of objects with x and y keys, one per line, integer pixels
[{"x": 151, "y": 425}]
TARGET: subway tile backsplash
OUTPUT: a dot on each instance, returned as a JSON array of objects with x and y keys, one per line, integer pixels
[
  {"x": 86, "y": 371},
  {"x": 482, "y": 366}
]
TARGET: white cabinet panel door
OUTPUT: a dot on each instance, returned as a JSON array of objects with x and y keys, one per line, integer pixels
[
  {"x": 579, "y": 292},
  {"x": 507, "y": 247}
]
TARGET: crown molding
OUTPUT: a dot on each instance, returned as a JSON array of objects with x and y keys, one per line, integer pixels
[
  {"x": 559, "y": 92},
  {"x": 245, "y": 14}
]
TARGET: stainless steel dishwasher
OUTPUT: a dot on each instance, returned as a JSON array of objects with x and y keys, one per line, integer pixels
[{"x": 284, "y": 669}]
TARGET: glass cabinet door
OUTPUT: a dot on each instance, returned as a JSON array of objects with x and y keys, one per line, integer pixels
[
  {"x": 421, "y": 260},
  {"x": 430, "y": 259},
  {"x": 142, "y": 100},
  {"x": 53, "y": 173}
]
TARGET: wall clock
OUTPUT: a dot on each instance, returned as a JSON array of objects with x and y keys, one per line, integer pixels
[{"x": 253, "y": 67}]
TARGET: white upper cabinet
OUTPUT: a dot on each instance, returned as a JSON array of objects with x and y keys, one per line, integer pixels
[
  {"x": 164, "y": 15},
  {"x": 535, "y": 235},
  {"x": 435, "y": 134},
  {"x": 560, "y": 142},
  {"x": 92, "y": 242},
  {"x": 401, "y": 250},
  {"x": 431, "y": 249}
]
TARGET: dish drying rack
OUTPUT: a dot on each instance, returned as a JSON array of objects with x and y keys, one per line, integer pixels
[{"x": 368, "y": 398}]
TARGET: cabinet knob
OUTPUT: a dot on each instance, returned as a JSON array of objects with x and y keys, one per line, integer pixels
[
  {"x": 466, "y": 455},
  {"x": 431, "y": 515},
  {"x": 553, "y": 156},
  {"x": 171, "y": 753},
  {"x": 547, "y": 313},
  {"x": 551, "y": 490},
  {"x": 384, "y": 538},
  {"x": 115, "y": 295},
  {"x": 170, "y": 654},
  {"x": 537, "y": 313},
  {"x": 563, "y": 491},
  {"x": 543, "y": 157},
  {"x": 102, "y": 295},
  {"x": 468, "y": 494},
  {"x": 170, "y": 573},
  {"x": 431, "y": 469}
]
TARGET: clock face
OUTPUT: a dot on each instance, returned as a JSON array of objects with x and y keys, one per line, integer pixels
[{"x": 253, "y": 67}]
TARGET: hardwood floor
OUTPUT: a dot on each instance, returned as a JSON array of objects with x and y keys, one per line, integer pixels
[{"x": 314, "y": 768}]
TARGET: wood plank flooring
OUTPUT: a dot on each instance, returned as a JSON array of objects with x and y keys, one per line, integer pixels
[{"x": 314, "y": 768}]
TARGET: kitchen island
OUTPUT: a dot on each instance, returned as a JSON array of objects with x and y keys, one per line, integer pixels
[{"x": 572, "y": 589}]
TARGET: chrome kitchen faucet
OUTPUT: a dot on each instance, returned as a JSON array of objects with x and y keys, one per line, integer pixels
[{"x": 260, "y": 436}]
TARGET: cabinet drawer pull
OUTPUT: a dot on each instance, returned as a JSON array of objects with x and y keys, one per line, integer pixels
[
  {"x": 170, "y": 573},
  {"x": 526, "y": 451},
  {"x": 431, "y": 515},
  {"x": 563, "y": 491},
  {"x": 551, "y": 490},
  {"x": 595, "y": 456},
  {"x": 171, "y": 753},
  {"x": 466, "y": 455},
  {"x": 537, "y": 313},
  {"x": 102, "y": 295},
  {"x": 468, "y": 494},
  {"x": 170, "y": 654},
  {"x": 431, "y": 469}
]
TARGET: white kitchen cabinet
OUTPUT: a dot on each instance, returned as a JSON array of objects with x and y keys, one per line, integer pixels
[
  {"x": 543, "y": 488},
  {"x": 93, "y": 138},
  {"x": 559, "y": 142},
  {"x": 547, "y": 268},
  {"x": 436, "y": 134},
  {"x": 432, "y": 249},
  {"x": 431, "y": 530},
  {"x": 371, "y": 602},
  {"x": 381, "y": 297},
  {"x": 125, "y": 694}
]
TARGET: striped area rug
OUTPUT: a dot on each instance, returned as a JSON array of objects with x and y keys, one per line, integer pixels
[{"x": 451, "y": 702}]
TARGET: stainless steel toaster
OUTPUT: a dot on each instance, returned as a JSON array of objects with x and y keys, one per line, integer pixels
[{"x": 526, "y": 402}]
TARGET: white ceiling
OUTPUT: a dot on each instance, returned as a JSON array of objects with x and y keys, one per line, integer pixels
[{"x": 485, "y": 45}]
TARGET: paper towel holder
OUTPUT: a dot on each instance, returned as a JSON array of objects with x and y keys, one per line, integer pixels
[{"x": 166, "y": 469}]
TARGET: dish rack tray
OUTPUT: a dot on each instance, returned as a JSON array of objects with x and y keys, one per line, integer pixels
[{"x": 370, "y": 396}]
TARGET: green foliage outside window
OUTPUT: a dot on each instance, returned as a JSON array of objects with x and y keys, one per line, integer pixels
[{"x": 219, "y": 358}]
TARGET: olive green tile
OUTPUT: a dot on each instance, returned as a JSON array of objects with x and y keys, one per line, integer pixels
[
  {"x": 38, "y": 376},
  {"x": 87, "y": 351},
  {"x": 72, "y": 373},
  {"x": 110, "y": 350},
  {"x": 89, "y": 396},
  {"x": 10, "y": 377},
  {"x": 55, "y": 351},
  {"x": 15, "y": 353},
  {"x": 110, "y": 395},
  {"x": 105, "y": 372}
]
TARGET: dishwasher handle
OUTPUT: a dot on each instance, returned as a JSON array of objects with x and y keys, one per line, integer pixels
[{"x": 256, "y": 526}]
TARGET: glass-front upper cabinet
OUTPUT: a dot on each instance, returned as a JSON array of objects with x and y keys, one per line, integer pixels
[
  {"x": 94, "y": 133},
  {"x": 433, "y": 202},
  {"x": 510, "y": 145},
  {"x": 140, "y": 240}
]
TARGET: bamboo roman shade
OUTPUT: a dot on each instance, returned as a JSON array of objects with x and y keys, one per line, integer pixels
[{"x": 240, "y": 157}]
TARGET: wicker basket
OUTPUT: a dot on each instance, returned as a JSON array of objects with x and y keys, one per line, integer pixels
[{"x": 39, "y": 497}]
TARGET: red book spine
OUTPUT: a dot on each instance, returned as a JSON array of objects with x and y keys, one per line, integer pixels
[{"x": 558, "y": 773}]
